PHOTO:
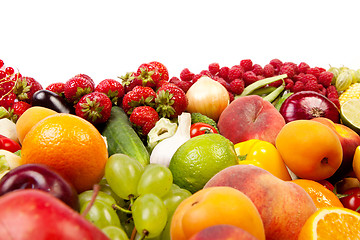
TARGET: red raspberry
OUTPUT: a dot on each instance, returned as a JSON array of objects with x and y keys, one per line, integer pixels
[
  {"x": 257, "y": 69},
  {"x": 249, "y": 77},
  {"x": 314, "y": 71},
  {"x": 288, "y": 83},
  {"x": 224, "y": 72},
  {"x": 321, "y": 69},
  {"x": 325, "y": 78},
  {"x": 311, "y": 86},
  {"x": 214, "y": 68},
  {"x": 247, "y": 64},
  {"x": 206, "y": 73},
  {"x": 336, "y": 102},
  {"x": 196, "y": 77},
  {"x": 322, "y": 89},
  {"x": 276, "y": 83},
  {"x": 224, "y": 83},
  {"x": 184, "y": 85},
  {"x": 331, "y": 92},
  {"x": 174, "y": 80},
  {"x": 303, "y": 67},
  {"x": 307, "y": 77},
  {"x": 237, "y": 86},
  {"x": 298, "y": 87},
  {"x": 186, "y": 75},
  {"x": 269, "y": 70},
  {"x": 235, "y": 72},
  {"x": 293, "y": 65},
  {"x": 288, "y": 69},
  {"x": 277, "y": 64},
  {"x": 260, "y": 77},
  {"x": 231, "y": 97}
]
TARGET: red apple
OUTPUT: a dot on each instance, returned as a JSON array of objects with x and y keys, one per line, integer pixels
[{"x": 36, "y": 214}]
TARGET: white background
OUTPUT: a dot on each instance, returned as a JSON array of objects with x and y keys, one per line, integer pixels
[{"x": 53, "y": 40}]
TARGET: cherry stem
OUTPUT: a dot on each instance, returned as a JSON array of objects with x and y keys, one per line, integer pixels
[
  {"x": 96, "y": 190},
  {"x": 117, "y": 207}
]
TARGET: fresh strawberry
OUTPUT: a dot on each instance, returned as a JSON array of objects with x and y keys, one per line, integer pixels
[
  {"x": 87, "y": 77},
  {"x": 17, "y": 109},
  {"x": 94, "y": 107},
  {"x": 57, "y": 88},
  {"x": 148, "y": 74},
  {"x": 76, "y": 87},
  {"x": 139, "y": 96},
  {"x": 129, "y": 82},
  {"x": 112, "y": 88},
  {"x": 164, "y": 73},
  {"x": 144, "y": 119},
  {"x": 170, "y": 101},
  {"x": 25, "y": 87}
]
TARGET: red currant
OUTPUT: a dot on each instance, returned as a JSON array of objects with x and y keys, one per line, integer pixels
[
  {"x": 2, "y": 74},
  {"x": 9, "y": 70},
  {"x": 1, "y": 63}
]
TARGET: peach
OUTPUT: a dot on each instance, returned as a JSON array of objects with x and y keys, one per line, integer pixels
[
  {"x": 223, "y": 232},
  {"x": 349, "y": 140},
  {"x": 284, "y": 206},
  {"x": 250, "y": 117}
]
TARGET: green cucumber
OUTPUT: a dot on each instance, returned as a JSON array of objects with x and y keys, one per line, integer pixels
[{"x": 122, "y": 138}]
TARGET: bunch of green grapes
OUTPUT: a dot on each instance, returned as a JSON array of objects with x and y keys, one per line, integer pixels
[
  {"x": 134, "y": 201},
  {"x": 344, "y": 77}
]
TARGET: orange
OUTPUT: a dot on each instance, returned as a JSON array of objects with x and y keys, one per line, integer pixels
[
  {"x": 29, "y": 118},
  {"x": 70, "y": 145},
  {"x": 331, "y": 223},
  {"x": 213, "y": 206},
  {"x": 310, "y": 149},
  {"x": 321, "y": 196}
]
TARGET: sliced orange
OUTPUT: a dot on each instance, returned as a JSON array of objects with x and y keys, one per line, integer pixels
[{"x": 331, "y": 223}]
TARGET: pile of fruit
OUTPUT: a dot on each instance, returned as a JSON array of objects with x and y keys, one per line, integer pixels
[{"x": 242, "y": 152}]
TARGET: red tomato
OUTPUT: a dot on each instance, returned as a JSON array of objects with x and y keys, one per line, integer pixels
[
  {"x": 326, "y": 184},
  {"x": 9, "y": 144},
  {"x": 200, "y": 128},
  {"x": 351, "y": 199}
]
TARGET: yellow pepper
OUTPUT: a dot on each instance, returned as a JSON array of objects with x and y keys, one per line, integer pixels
[{"x": 262, "y": 154}]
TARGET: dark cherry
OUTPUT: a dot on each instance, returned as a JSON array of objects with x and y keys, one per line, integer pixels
[
  {"x": 48, "y": 99},
  {"x": 39, "y": 176}
]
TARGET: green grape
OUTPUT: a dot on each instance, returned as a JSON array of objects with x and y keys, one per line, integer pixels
[
  {"x": 122, "y": 174},
  {"x": 173, "y": 198},
  {"x": 115, "y": 233},
  {"x": 156, "y": 179},
  {"x": 149, "y": 214},
  {"x": 101, "y": 214},
  {"x": 87, "y": 195},
  {"x": 107, "y": 189}
]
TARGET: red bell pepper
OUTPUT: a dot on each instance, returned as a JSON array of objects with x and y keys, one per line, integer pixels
[{"x": 9, "y": 144}]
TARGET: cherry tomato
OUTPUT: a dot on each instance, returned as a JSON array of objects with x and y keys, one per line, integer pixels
[
  {"x": 351, "y": 199},
  {"x": 326, "y": 184},
  {"x": 9, "y": 144},
  {"x": 200, "y": 128}
]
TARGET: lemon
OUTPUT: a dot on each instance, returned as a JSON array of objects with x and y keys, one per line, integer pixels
[
  {"x": 199, "y": 159},
  {"x": 350, "y": 114}
]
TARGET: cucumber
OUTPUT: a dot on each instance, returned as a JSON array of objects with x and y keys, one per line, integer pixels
[{"x": 122, "y": 138}]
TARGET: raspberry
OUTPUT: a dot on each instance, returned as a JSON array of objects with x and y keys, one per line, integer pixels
[
  {"x": 336, "y": 102},
  {"x": 322, "y": 89},
  {"x": 174, "y": 80},
  {"x": 196, "y": 77},
  {"x": 247, "y": 64},
  {"x": 277, "y": 64},
  {"x": 184, "y": 85},
  {"x": 214, "y": 68},
  {"x": 331, "y": 92},
  {"x": 293, "y": 65},
  {"x": 249, "y": 77},
  {"x": 314, "y": 71},
  {"x": 288, "y": 69},
  {"x": 311, "y": 86},
  {"x": 298, "y": 87},
  {"x": 288, "y": 83},
  {"x": 224, "y": 72},
  {"x": 269, "y": 70},
  {"x": 231, "y": 97},
  {"x": 237, "y": 86},
  {"x": 276, "y": 83},
  {"x": 303, "y": 67},
  {"x": 259, "y": 77},
  {"x": 321, "y": 69},
  {"x": 325, "y": 78},
  {"x": 206, "y": 73},
  {"x": 235, "y": 72},
  {"x": 257, "y": 69},
  {"x": 186, "y": 75},
  {"x": 224, "y": 83},
  {"x": 307, "y": 77}
]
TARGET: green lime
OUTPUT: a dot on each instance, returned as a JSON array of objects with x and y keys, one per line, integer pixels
[
  {"x": 199, "y": 159},
  {"x": 350, "y": 114}
]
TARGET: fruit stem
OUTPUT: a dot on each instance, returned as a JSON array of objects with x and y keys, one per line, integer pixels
[
  {"x": 259, "y": 84},
  {"x": 117, "y": 207},
  {"x": 96, "y": 189},
  {"x": 133, "y": 234}
]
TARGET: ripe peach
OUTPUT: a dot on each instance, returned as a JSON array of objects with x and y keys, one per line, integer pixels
[
  {"x": 223, "y": 232},
  {"x": 284, "y": 206},
  {"x": 250, "y": 117}
]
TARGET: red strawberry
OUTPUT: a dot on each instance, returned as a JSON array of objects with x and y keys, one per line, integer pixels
[
  {"x": 112, "y": 88},
  {"x": 164, "y": 74},
  {"x": 94, "y": 107},
  {"x": 148, "y": 74},
  {"x": 25, "y": 87},
  {"x": 170, "y": 101},
  {"x": 76, "y": 87},
  {"x": 87, "y": 77},
  {"x": 144, "y": 118},
  {"x": 139, "y": 96},
  {"x": 57, "y": 88},
  {"x": 17, "y": 109}
]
